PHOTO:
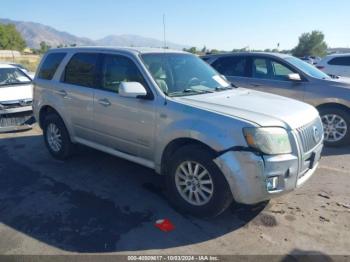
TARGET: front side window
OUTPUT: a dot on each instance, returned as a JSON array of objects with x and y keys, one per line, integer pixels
[
  {"x": 50, "y": 65},
  {"x": 117, "y": 69},
  {"x": 231, "y": 66},
  {"x": 340, "y": 61},
  {"x": 183, "y": 74},
  {"x": 280, "y": 71},
  {"x": 13, "y": 76},
  {"x": 81, "y": 69},
  {"x": 266, "y": 68}
]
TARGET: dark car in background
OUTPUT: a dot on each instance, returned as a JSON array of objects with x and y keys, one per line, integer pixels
[{"x": 291, "y": 77}]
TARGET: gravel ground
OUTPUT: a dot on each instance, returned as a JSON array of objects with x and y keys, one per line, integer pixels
[{"x": 97, "y": 203}]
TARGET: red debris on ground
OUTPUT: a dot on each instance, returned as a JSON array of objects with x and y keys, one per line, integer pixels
[{"x": 165, "y": 225}]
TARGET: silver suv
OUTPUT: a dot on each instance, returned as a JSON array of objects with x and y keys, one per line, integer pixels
[
  {"x": 291, "y": 77},
  {"x": 172, "y": 112}
]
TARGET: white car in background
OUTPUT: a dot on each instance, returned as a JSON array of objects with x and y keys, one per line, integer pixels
[
  {"x": 22, "y": 68},
  {"x": 16, "y": 97},
  {"x": 336, "y": 64}
]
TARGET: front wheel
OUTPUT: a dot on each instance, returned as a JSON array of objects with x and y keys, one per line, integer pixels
[
  {"x": 195, "y": 184},
  {"x": 336, "y": 125}
]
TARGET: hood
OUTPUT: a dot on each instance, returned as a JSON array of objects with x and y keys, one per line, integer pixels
[
  {"x": 16, "y": 92},
  {"x": 261, "y": 108},
  {"x": 343, "y": 81}
]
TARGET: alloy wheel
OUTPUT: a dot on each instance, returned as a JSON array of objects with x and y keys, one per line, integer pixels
[
  {"x": 54, "y": 138},
  {"x": 194, "y": 183},
  {"x": 335, "y": 127}
]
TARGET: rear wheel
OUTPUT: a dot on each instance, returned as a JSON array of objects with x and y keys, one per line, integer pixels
[
  {"x": 56, "y": 137},
  {"x": 195, "y": 184},
  {"x": 336, "y": 124}
]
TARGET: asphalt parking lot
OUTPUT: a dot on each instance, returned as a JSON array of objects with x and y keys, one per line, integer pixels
[{"x": 97, "y": 203}]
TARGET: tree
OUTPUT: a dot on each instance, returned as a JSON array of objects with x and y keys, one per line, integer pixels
[
  {"x": 192, "y": 50},
  {"x": 214, "y": 51},
  {"x": 311, "y": 44},
  {"x": 44, "y": 47},
  {"x": 10, "y": 38}
]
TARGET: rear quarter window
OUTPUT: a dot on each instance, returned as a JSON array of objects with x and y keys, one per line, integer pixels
[
  {"x": 231, "y": 66},
  {"x": 340, "y": 61},
  {"x": 50, "y": 65}
]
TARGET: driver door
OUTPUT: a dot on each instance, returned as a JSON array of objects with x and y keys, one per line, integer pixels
[{"x": 122, "y": 123}]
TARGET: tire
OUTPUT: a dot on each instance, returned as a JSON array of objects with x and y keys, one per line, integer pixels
[
  {"x": 342, "y": 117},
  {"x": 65, "y": 148},
  {"x": 221, "y": 196}
]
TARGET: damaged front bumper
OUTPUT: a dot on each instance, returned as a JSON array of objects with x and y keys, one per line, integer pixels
[
  {"x": 16, "y": 119},
  {"x": 249, "y": 174}
]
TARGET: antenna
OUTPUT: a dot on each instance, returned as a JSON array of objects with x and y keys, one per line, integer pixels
[{"x": 165, "y": 47}]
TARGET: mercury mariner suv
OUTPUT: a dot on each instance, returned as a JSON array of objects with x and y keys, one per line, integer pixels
[{"x": 172, "y": 112}]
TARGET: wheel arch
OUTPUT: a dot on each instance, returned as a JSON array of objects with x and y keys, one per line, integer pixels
[
  {"x": 46, "y": 110},
  {"x": 334, "y": 105},
  {"x": 175, "y": 145}
]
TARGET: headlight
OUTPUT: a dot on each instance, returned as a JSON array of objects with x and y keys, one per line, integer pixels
[{"x": 268, "y": 140}]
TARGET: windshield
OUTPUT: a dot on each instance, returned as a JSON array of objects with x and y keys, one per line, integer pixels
[
  {"x": 307, "y": 68},
  {"x": 13, "y": 76},
  {"x": 183, "y": 74}
]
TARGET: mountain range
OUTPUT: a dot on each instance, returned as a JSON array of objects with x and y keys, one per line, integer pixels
[{"x": 34, "y": 33}]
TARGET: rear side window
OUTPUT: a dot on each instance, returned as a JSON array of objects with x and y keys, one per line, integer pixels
[
  {"x": 260, "y": 68},
  {"x": 81, "y": 70},
  {"x": 341, "y": 61},
  {"x": 231, "y": 66},
  {"x": 50, "y": 65}
]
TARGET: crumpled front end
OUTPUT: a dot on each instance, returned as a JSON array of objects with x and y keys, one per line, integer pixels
[
  {"x": 254, "y": 178},
  {"x": 16, "y": 115}
]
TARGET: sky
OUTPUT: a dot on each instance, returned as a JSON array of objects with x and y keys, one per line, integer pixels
[{"x": 219, "y": 24}]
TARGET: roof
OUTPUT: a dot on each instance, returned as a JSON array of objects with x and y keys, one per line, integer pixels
[
  {"x": 250, "y": 54},
  {"x": 134, "y": 50},
  {"x": 338, "y": 54}
]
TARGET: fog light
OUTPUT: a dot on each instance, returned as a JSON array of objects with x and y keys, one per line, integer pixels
[{"x": 272, "y": 183}]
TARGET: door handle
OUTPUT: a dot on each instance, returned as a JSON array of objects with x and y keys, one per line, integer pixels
[
  {"x": 62, "y": 93},
  {"x": 104, "y": 102},
  {"x": 255, "y": 85}
]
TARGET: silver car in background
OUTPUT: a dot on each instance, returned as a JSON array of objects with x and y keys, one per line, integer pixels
[
  {"x": 172, "y": 112},
  {"x": 289, "y": 76},
  {"x": 16, "y": 95}
]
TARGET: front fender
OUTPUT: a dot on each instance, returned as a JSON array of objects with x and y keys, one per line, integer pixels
[{"x": 213, "y": 136}]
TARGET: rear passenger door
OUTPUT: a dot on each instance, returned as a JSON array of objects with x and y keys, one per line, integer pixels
[
  {"x": 270, "y": 75},
  {"x": 234, "y": 68},
  {"x": 76, "y": 91},
  {"x": 121, "y": 123}
]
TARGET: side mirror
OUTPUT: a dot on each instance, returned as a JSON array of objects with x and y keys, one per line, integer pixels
[
  {"x": 294, "y": 77},
  {"x": 132, "y": 89}
]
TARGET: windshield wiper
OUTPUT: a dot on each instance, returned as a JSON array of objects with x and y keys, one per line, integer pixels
[
  {"x": 222, "y": 88},
  {"x": 189, "y": 91}
]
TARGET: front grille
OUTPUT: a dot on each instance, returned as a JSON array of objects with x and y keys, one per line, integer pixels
[
  {"x": 311, "y": 134},
  {"x": 15, "y": 104},
  {"x": 16, "y": 119}
]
